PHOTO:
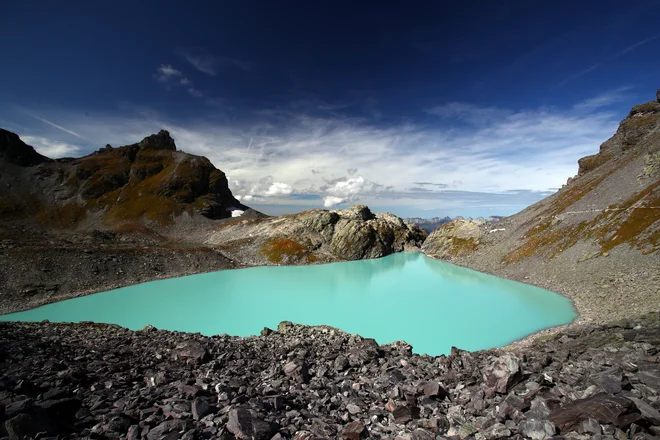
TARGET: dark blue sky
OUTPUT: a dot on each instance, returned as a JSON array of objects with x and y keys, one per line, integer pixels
[{"x": 342, "y": 91}]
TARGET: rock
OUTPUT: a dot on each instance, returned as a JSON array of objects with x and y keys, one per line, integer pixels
[
  {"x": 357, "y": 212},
  {"x": 502, "y": 375},
  {"x": 192, "y": 350},
  {"x": 120, "y": 424},
  {"x": 353, "y": 431},
  {"x": 14, "y": 150},
  {"x": 266, "y": 331},
  {"x": 200, "y": 408},
  {"x": 244, "y": 426},
  {"x": 589, "y": 426},
  {"x": 160, "y": 141},
  {"x": 161, "y": 431},
  {"x": 648, "y": 412},
  {"x": 454, "y": 239},
  {"x": 603, "y": 407},
  {"x": 537, "y": 429},
  {"x": 253, "y": 381},
  {"x": 298, "y": 370},
  {"x": 496, "y": 431},
  {"x": 341, "y": 363},
  {"x": 433, "y": 389},
  {"x": 404, "y": 414},
  {"x": 133, "y": 433},
  {"x": 27, "y": 425}
]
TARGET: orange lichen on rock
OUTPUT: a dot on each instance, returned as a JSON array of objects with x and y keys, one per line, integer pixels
[
  {"x": 626, "y": 223},
  {"x": 283, "y": 250},
  {"x": 462, "y": 246},
  {"x": 629, "y": 226}
]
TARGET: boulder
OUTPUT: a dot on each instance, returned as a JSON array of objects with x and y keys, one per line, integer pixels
[
  {"x": 605, "y": 408},
  {"x": 245, "y": 426},
  {"x": 504, "y": 373},
  {"x": 537, "y": 429},
  {"x": 353, "y": 431},
  {"x": 297, "y": 370},
  {"x": 192, "y": 350}
]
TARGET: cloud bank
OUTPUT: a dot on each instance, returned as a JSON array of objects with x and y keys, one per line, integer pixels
[{"x": 502, "y": 159}]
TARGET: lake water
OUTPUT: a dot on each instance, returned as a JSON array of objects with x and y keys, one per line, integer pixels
[{"x": 406, "y": 296}]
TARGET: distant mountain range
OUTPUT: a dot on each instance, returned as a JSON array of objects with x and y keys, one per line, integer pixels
[{"x": 431, "y": 224}]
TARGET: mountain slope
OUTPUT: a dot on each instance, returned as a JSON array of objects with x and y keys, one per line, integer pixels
[
  {"x": 595, "y": 240},
  {"x": 145, "y": 211},
  {"x": 149, "y": 183}
]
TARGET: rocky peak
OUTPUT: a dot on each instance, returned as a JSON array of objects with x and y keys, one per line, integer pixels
[
  {"x": 657, "y": 95},
  {"x": 160, "y": 141},
  {"x": 357, "y": 212},
  {"x": 14, "y": 150},
  {"x": 642, "y": 120}
]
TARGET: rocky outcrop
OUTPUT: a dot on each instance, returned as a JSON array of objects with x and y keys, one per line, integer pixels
[
  {"x": 99, "y": 381},
  {"x": 454, "y": 239},
  {"x": 596, "y": 240},
  {"x": 641, "y": 122},
  {"x": 13, "y": 150},
  {"x": 316, "y": 236}
]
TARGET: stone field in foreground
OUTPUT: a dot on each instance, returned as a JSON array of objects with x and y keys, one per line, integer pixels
[{"x": 99, "y": 381}]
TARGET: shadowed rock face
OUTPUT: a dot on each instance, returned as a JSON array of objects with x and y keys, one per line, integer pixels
[
  {"x": 15, "y": 151},
  {"x": 316, "y": 236},
  {"x": 149, "y": 183}
]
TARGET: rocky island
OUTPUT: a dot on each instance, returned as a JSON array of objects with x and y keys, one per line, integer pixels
[{"x": 75, "y": 226}]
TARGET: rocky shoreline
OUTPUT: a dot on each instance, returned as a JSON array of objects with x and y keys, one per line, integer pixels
[{"x": 100, "y": 381}]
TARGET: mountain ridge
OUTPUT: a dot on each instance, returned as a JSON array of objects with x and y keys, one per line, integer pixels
[{"x": 596, "y": 240}]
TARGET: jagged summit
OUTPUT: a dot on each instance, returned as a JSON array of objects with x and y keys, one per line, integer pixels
[
  {"x": 14, "y": 150},
  {"x": 160, "y": 141},
  {"x": 149, "y": 182},
  {"x": 639, "y": 124}
]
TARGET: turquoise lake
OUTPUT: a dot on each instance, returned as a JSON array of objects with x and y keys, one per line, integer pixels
[{"x": 407, "y": 296}]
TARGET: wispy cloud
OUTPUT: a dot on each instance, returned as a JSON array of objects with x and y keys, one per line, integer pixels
[
  {"x": 608, "y": 59},
  {"x": 604, "y": 99},
  {"x": 49, "y": 148},
  {"x": 52, "y": 124},
  {"x": 467, "y": 112},
  {"x": 210, "y": 64},
  {"x": 171, "y": 77},
  {"x": 511, "y": 158}
]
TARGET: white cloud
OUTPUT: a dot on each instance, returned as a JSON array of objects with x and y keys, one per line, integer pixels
[
  {"x": 49, "y": 148},
  {"x": 331, "y": 201},
  {"x": 172, "y": 77},
  {"x": 349, "y": 190},
  {"x": 166, "y": 72},
  {"x": 279, "y": 189}
]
